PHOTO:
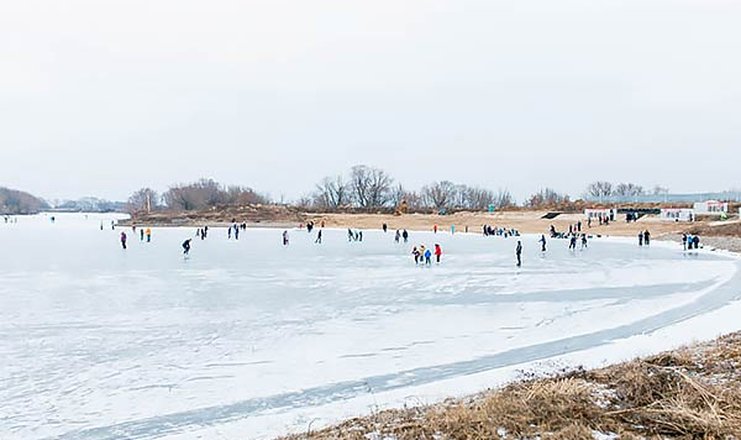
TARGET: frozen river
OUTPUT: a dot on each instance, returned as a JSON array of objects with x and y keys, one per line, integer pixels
[{"x": 248, "y": 339}]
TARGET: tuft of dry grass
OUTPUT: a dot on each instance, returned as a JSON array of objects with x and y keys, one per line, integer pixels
[{"x": 691, "y": 393}]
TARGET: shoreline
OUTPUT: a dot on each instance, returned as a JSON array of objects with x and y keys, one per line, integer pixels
[{"x": 524, "y": 221}]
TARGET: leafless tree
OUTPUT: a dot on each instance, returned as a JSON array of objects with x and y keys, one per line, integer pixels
[
  {"x": 599, "y": 190},
  {"x": 371, "y": 187},
  {"x": 332, "y": 193},
  {"x": 143, "y": 200},
  {"x": 439, "y": 195},
  {"x": 503, "y": 199},
  {"x": 207, "y": 193},
  {"x": 628, "y": 190},
  {"x": 546, "y": 197}
]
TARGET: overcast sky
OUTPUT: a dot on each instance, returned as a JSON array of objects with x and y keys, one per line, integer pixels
[{"x": 101, "y": 97}]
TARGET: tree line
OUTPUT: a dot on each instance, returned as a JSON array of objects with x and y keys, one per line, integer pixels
[
  {"x": 601, "y": 190},
  {"x": 14, "y": 202},
  {"x": 369, "y": 189}
]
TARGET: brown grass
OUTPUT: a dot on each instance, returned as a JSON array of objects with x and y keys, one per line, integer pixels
[{"x": 692, "y": 393}]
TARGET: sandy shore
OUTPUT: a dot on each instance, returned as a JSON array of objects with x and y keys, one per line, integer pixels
[{"x": 529, "y": 222}]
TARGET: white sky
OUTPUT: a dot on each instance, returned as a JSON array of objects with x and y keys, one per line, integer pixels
[{"x": 101, "y": 97}]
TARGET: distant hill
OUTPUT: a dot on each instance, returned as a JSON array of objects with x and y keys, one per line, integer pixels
[
  {"x": 89, "y": 204},
  {"x": 18, "y": 202}
]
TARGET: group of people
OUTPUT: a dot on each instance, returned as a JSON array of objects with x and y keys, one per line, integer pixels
[
  {"x": 202, "y": 232},
  {"x": 644, "y": 238},
  {"x": 234, "y": 230},
  {"x": 690, "y": 241},
  {"x": 423, "y": 254},
  {"x": 354, "y": 235},
  {"x": 143, "y": 233},
  {"x": 491, "y": 231},
  {"x": 401, "y": 235}
]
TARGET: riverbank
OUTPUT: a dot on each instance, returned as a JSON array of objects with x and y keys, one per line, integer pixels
[
  {"x": 525, "y": 221},
  {"x": 692, "y": 392}
]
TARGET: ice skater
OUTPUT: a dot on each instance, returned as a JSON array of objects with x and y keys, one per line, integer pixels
[
  {"x": 405, "y": 236},
  {"x": 416, "y": 254},
  {"x": 123, "y": 239},
  {"x": 428, "y": 257},
  {"x": 438, "y": 253},
  {"x": 385, "y": 228},
  {"x": 186, "y": 247},
  {"x": 141, "y": 235},
  {"x": 640, "y": 238},
  {"x": 397, "y": 237},
  {"x": 285, "y": 238},
  {"x": 518, "y": 253},
  {"x": 318, "y": 237},
  {"x": 149, "y": 235},
  {"x": 542, "y": 242},
  {"x": 572, "y": 242},
  {"x": 646, "y": 238},
  {"x": 583, "y": 241}
]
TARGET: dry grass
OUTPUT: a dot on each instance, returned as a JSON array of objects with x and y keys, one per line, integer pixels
[{"x": 692, "y": 393}]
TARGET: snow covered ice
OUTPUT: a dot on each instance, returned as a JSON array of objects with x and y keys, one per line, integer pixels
[{"x": 250, "y": 339}]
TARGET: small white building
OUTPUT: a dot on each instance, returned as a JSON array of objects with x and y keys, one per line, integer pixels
[
  {"x": 594, "y": 214},
  {"x": 677, "y": 214},
  {"x": 711, "y": 207}
]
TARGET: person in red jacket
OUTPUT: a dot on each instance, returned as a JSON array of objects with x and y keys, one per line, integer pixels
[{"x": 438, "y": 252}]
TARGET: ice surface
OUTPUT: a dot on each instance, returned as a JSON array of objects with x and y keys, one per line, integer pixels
[{"x": 248, "y": 339}]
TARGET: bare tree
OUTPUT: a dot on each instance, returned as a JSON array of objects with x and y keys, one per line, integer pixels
[
  {"x": 503, "y": 199},
  {"x": 439, "y": 195},
  {"x": 332, "y": 193},
  {"x": 243, "y": 195},
  {"x": 628, "y": 190},
  {"x": 659, "y": 190},
  {"x": 599, "y": 190},
  {"x": 546, "y": 197},
  {"x": 143, "y": 200},
  {"x": 207, "y": 193},
  {"x": 371, "y": 186}
]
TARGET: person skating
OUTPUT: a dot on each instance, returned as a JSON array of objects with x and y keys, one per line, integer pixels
[
  {"x": 186, "y": 246},
  {"x": 583, "y": 241},
  {"x": 518, "y": 253},
  {"x": 542, "y": 242},
  {"x": 647, "y": 238},
  {"x": 415, "y": 253},
  {"x": 438, "y": 253},
  {"x": 397, "y": 237},
  {"x": 318, "y": 237},
  {"x": 149, "y": 235},
  {"x": 684, "y": 241},
  {"x": 141, "y": 235},
  {"x": 285, "y": 238},
  {"x": 350, "y": 235},
  {"x": 385, "y": 228},
  {"x": 405, "y": 235},
  {"x": 123, "y": 239},
  {"x": 640, "y": 238},
  {"x": 572, "y": 242},
  {"x": 428, "y": 257}
]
